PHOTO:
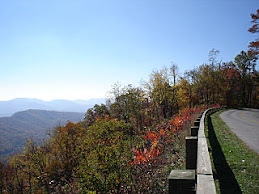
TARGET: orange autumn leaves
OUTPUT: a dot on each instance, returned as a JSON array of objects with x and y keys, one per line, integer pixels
[{"x": 157, "y": 139}]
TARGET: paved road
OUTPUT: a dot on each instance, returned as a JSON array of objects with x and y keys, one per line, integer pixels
[{"x": 245, "y": 124}]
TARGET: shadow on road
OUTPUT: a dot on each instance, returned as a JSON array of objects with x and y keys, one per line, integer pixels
[{"x": 224, "y": 174}]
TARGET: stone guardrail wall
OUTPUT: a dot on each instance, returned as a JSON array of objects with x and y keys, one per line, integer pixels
[{"x": 198, "y": 176}]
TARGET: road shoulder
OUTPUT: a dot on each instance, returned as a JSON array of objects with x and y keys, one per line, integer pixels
[{"x": 235, "y": 165}]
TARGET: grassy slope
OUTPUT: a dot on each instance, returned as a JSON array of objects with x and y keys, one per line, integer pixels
[{"x": 235, "y": 165}]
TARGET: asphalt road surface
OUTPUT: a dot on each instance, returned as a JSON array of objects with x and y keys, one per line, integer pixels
[{"x": 245, "y": 124}]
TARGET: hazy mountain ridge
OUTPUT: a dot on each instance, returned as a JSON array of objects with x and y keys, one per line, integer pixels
[
  {"x": 8, "y": 108},
  {"x": 15, "y": 130}
]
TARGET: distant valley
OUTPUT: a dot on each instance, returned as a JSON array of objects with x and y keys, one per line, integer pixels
[{"x": 35, "y": 124}]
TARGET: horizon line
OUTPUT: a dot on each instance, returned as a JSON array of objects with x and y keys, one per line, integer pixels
[{"x": 54, "y": 99}]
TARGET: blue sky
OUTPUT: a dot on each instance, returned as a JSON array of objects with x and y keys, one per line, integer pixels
[{"x": 77, "y": 49}]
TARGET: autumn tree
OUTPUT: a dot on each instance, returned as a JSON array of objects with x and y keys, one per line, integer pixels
[
  {"x": 175, "y": 74},
  {"x": 246, "y": 66},
  {"x": 184, "y": 94},
  {"x": 129, "y": 106},
  {"x": 1, "y": 177},
  {"x": 11, "y": 183},
  {"x": 229, "y": 79},
  {"x": 95, "y": 113},
  {"x": 104, "y": 152},
  {"x": 204, "y": 82},
  {"x": 254, "y": 45},
  {"x": 65, "y": 141},
  {"x": 192, "y": 78},
  {"x": 213, "y": 62},
  {"x": 160, "y": 93},
  {"x": 26, "y": 169}
]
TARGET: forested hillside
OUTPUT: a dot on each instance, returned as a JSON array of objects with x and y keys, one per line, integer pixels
[{"x": 35, "y": 124}]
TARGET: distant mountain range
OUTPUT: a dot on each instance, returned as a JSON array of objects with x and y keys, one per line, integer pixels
[
  {"x": 15, "y": 130},
  {"x": 8, "y": 108}
]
